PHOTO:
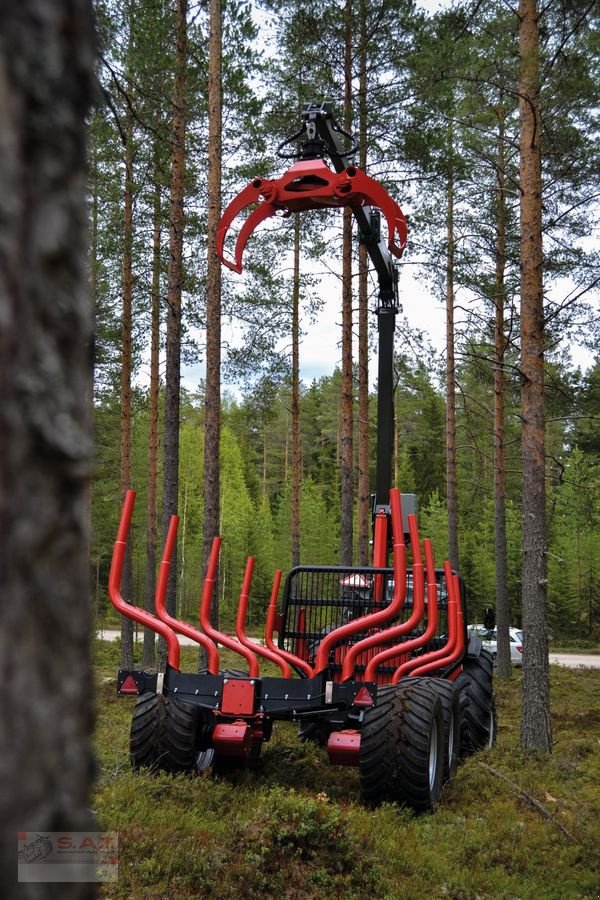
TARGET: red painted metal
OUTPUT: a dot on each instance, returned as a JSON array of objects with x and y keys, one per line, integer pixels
[
  {"x": 114, "y": 587},
  {"x": 240, "y": 624},
  {"x": 452, "y": 652},
  {"x": 380, "y": 552},
  {"x": 238, "y": 697},
  {"x": 161, "y": 610},
  {"x": 343, "y": 747},
  {"x": 371, "y": 620},
  {"x": 415, "y": 617},
  {"x": 432, "y": 614},
  {"x": 218, "y": 636},
  {"x": 272, "y": 624},
  {"x": 302, "y": 645},
  {"x": 232, "y": 738},
  {"x": 309, "y": 184}
]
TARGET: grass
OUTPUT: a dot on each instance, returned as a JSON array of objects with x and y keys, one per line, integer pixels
[{"x": 510, "y": 825}]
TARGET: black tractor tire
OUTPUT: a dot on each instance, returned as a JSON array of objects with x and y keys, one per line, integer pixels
[
  {"x": 402, "y": 747},
  {"x": 178, "y": 751},
  {"x": 452, "y": 713},
  {"x": 476, "y": 686},
  {"x": 147, "y": 724}
]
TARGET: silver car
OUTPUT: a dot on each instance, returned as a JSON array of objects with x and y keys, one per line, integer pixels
[{"x": 489, "y": 638}]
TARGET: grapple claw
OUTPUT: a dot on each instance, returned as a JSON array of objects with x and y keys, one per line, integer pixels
[{"x": 309, "y": 184}]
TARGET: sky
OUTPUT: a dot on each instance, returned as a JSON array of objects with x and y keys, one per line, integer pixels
[{"x": 320, "y": 351}]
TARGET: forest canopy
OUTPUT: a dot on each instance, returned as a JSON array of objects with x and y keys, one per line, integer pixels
[{"x": 433, "y": 100}]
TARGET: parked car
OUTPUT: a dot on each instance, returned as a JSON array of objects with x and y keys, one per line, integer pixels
[{"x": 489, "y": 639}]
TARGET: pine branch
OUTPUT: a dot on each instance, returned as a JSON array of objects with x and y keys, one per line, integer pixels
[{"x": 531, "y": 800}]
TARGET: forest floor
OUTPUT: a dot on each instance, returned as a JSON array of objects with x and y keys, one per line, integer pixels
[{"x": 510, "y": 825}]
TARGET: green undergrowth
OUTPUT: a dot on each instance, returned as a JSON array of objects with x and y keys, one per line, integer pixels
[{"x": 510, "y": 825}]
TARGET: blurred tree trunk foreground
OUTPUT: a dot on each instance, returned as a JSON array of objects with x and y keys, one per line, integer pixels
[{"x": 46, "y": 705}]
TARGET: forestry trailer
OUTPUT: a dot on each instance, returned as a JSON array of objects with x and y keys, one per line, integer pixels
[{"x": 374, "y": 661}]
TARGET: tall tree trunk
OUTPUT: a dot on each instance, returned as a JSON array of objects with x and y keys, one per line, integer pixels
[
  {"x": 536, "y": 732},
  {"x": 347, "y": 392},
  {"x": 451, "y": 485},
  {"x": 175, "y": 277},
  {"x": 503, "y": 660},
  {"x": 46, "y": 692},
  {"x": 126, "y": 364},
  {"x": 153, "y": 412},
  {"x": 212, "y": 414},
  {"x": 296, "y": 448},
  {"x": 364, "y": 493}
]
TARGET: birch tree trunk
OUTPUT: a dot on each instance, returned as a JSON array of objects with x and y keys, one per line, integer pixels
[
  {"x": 46, "y": 692},
  {"x": 536, "y": 732}
]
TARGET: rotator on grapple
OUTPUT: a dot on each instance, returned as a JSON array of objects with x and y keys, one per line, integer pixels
[{"x": 374, "y": 661}]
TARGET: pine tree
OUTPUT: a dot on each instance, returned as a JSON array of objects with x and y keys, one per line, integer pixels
[{"x": 536, "y": 731}]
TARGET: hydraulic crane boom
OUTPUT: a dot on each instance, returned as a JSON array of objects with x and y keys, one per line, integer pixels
[{"x": 311, "y": 184}]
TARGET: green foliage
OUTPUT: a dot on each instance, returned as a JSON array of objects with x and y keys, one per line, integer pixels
[
  {"x": 437, "y": 87},
  {"x": 509, "y": 825}
]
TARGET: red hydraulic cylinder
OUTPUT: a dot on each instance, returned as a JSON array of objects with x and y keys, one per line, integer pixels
[
  {"x": 161, "y": 609},
  {"x": 114, "y": 587}
]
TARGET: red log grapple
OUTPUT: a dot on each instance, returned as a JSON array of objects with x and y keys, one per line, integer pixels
[{"x": 374, "y": 661}]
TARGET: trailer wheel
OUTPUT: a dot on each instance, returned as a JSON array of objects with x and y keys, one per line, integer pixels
[
  {"x": 452, "y": 715},
  {"x": 402, "y": 747},
  {"x": 147, "y": 723},
  {"x": 479, "y": 723},
  {"x": 177, "y": 745}
]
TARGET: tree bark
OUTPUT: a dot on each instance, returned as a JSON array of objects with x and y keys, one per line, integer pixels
[
  {"x": 126, "y": 364},
  {"x": 296, "y": 448},
  {"x": 46, "y": 692},
  {"x": 503, "y": 660},
  {"x": 364, "y": 491},
  {"x": 347, "y": 392},
  {"x": 148, "y": 655},
  {"x": 212, "y": 413},
  {"x": 451, "y": 485},
  {"x": 175, "y": 277},
  {"x": 536, "y": 732}
]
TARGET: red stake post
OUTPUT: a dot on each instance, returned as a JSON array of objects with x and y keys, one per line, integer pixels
[
  {"x": 114, "y": 587},
  {"x": 218, "y": 636},
  {"x": 240, "y": 624},
  {"x": 160, "y": 605}
]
